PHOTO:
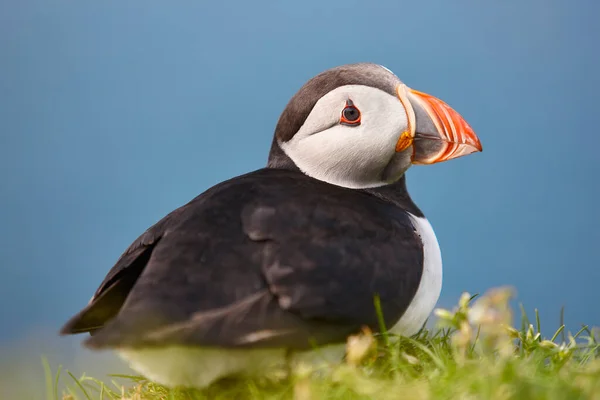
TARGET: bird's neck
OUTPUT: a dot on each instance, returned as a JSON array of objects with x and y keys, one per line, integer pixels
[
  {"x": 395, "y": 193},
  {"x": 278, "y": 159}
]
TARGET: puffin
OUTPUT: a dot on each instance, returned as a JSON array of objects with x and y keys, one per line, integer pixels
[{"x": 281, "y": 265}]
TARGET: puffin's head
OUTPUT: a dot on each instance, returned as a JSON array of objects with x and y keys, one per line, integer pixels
[{"x": 359, "y": 126}]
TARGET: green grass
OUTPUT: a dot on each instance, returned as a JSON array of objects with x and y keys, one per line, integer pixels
[{"x": 475, "y": 353}]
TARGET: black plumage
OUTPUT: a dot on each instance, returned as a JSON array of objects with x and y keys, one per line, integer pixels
[{"x": 270, "y": 258}]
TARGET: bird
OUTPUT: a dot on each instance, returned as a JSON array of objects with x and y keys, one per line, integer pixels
[{"x": 282, "y": 264}]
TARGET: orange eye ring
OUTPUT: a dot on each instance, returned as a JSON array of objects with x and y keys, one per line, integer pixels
[{"x": 350, "y": 115}]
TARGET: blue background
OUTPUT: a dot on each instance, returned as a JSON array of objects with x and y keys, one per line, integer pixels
[{"x": 114, "y": 113}]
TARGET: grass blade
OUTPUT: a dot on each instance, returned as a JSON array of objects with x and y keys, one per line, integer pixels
[
  {"x": 381, "y": 321},
  {"x": 562, "y": 323},
  {"x": 48, "y": 378},
  {"x": 56, "y": 379},
  {"x": 579, "y": 332},
  {"x": 87, "y": 396},
  {"x": 558, "y": 331},
  {"x": 538, "y": 324}
]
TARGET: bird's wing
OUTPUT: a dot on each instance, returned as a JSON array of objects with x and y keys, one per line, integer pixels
[
  {"x": 331, "y": 265},
  {"x": 270, "y": 262},
  {"x": 112, "y": 292}
]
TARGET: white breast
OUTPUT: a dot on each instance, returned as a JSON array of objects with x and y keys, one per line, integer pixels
[
  {"x": 199, "y": 367},
  {"x": 430, "y": 286}
]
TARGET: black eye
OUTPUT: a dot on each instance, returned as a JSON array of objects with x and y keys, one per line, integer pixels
[{"x": 350, "y": 114}]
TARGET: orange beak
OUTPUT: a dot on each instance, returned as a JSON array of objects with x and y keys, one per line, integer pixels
[{"x": 437, "y": 132}]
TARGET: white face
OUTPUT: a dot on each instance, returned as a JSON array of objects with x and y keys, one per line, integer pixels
[{"x": 354, "y": 156}]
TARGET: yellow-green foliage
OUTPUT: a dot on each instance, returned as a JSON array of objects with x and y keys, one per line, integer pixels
[{"x": 476, "y": 353}]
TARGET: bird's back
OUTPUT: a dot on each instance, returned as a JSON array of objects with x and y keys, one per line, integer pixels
[{"x": 272, "y": 250}]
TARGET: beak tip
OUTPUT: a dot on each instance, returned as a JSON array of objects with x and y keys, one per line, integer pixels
[
  {"x": 478, "y": 144},
  {"x": 474, "y": 147}
]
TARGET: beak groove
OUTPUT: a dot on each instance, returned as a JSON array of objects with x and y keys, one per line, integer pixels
[
  {"x": 437, "y": 131},
  {"x": 447, "y": 119}
]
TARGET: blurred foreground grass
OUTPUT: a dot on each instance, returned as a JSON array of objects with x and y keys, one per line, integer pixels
[{"x": 475, "y": 353}]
